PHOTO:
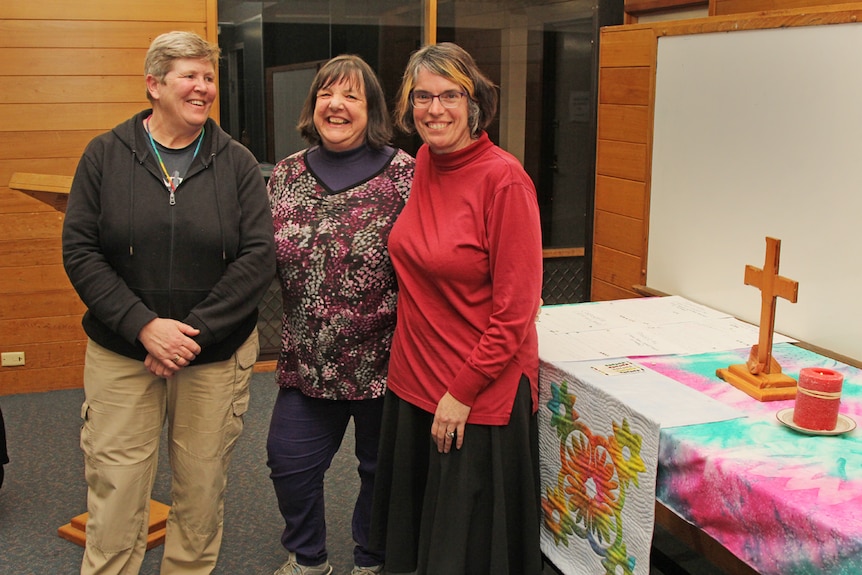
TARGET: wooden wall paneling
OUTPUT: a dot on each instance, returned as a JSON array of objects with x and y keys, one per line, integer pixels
[
  {"x": 40, "y": 225},
  {"x": 621, "y": 159},
  {"x": 619, "y": 196},
  {"x": 211, "y": 28},
  {"x": 47, "y": 144},
  {"x": 51, "y": 355},
  {"x": 52, "y": 329},
  {"x": 615, "y": 263},
  {"x": 71, "y": 89},
  {"x": 623, "y": 233},
  {"x": 626, "y": 85},
  {"x": 37, "y": 252},
  {"x": 87, "y": 62},
  {"x": 603, "y": 291},
  {"x": 624, "y": 123},
  {"x": 616, "y": 266},
  {"x": 622, "y": 47},
  {"x": 637, "y": 7},
  {"x": 41, "y": 303},
  {"x": 68, "y": 71},
  {"x": 84, "y": 33},
  {"x": 169, "y": 11},
  {"x": 626, "y": 78},
  {"x": 814, "y": 16},
  {"x": 23, "y": 279},
  {"x": 211, "y": 10},
  {"x": 54, "y": 350},
  {"x": 44, "y": 117},
  {"x": 726, "y": 7}
]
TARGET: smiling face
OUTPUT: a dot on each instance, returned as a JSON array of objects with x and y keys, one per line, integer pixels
[
  {"x": 184, "y": 98},
  {"x": 445, "y": 130},
  {"x": 341, "y": 114}
]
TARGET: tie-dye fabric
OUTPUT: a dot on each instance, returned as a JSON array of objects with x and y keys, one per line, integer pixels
[{"x": 784, "y": 502}]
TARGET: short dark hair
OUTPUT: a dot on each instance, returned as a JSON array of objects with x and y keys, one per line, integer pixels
[
  {"x": 456, "y": 64},
  {"x": 355, "y": 70}
]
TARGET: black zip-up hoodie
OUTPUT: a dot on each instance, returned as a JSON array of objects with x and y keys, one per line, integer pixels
[{"x": 206, "y": 260}]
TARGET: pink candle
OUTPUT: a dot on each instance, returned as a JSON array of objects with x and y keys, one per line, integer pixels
[{"x": 818, "y": 396}]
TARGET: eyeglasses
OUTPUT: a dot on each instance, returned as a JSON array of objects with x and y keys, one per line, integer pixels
[{"x": 449, "y": 99}]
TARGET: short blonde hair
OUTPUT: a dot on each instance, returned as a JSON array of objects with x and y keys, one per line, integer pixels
[{"x": 171, "y": 46}]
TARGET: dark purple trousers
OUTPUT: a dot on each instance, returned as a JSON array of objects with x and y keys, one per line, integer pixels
[{"x": 304, "y": 435}]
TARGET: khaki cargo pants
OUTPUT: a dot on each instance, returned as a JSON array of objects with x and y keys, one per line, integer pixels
[{"x": 124, "y": 411}]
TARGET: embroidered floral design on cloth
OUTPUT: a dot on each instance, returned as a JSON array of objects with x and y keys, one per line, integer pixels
[{"x": 596, "y": 472}]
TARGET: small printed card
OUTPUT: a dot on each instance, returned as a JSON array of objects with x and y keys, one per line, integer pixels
[{"x": 621, "y": 367}]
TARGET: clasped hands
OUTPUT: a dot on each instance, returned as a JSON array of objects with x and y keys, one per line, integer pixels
[{"x": 169, "y": 346}]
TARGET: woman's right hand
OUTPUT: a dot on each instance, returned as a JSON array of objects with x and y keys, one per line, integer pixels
[{"x": 169, "y": 345}]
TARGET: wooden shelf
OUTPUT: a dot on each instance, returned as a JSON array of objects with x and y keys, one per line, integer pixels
[{"x": 48, "y": 188}]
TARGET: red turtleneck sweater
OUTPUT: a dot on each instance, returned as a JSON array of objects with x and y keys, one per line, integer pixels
[{"x": 467, "y": 253}]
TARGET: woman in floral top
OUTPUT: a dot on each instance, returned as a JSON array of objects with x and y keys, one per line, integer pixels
[{"x": 333, "y": 206}]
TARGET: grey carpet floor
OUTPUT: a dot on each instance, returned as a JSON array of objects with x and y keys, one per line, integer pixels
[{"x": 45, "y": 488}]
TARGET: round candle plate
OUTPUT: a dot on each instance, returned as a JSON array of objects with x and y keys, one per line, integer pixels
[{"x": 844, "y": 424}]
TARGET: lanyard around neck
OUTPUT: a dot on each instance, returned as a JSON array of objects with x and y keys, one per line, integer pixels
[{"x": 171, "y": 182}]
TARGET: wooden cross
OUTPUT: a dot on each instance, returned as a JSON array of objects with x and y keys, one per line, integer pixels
[
  {"x": 761, "y": 377},
  {"x": 771, "y": 286}
]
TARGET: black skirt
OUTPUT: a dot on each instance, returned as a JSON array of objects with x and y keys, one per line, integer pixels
[{"x": 473, "y": 511}]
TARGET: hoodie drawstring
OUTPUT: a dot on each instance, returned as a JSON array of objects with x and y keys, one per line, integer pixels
[
  {"x": 132, "y": 202},
  {"x": 218, "y": 209}
]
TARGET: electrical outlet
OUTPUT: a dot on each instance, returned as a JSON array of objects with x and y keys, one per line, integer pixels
[{"x": 10, "y": 358}]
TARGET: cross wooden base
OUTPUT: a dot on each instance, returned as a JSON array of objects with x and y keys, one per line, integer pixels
[
  {"x": 75, "y": 530},
  {"x": 763, "y": 386}
]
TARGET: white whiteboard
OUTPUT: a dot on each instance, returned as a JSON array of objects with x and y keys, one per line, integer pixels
[{"x": 759, "y": 133}]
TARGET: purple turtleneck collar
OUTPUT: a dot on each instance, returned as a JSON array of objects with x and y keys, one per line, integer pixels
[{"x": 339, "y": 171}]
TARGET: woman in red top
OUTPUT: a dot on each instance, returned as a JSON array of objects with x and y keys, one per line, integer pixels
[{"x": 457, "y": 484}]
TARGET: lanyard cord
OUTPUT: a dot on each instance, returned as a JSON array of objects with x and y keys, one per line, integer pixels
[{"x": 169, "y": 181}]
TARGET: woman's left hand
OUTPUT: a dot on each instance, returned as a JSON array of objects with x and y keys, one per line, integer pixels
[
  {"x": 450, "y": 421},
  {"x": 158, "y": 368}
]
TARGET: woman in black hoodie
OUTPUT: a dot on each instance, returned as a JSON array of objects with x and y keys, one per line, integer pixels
[{"x": 168, "y": 241}]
